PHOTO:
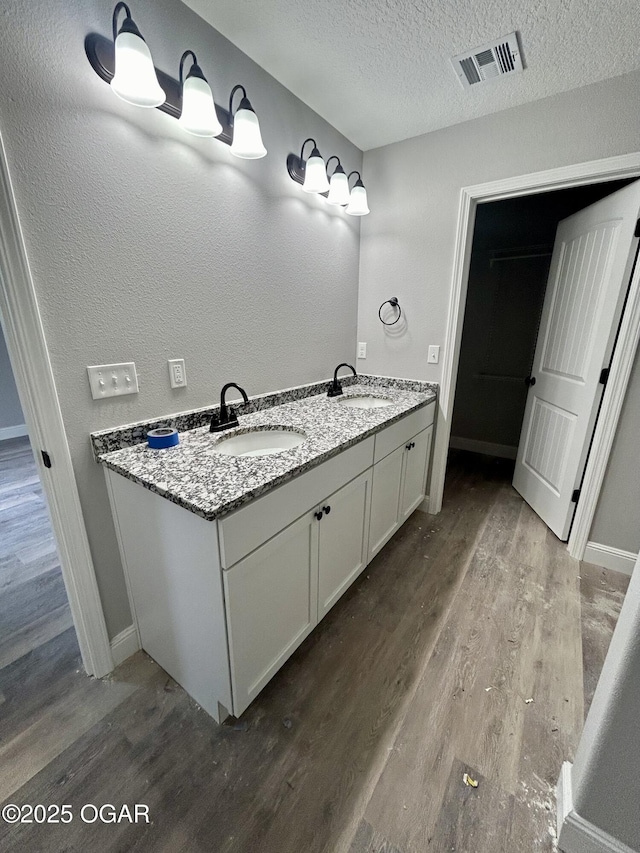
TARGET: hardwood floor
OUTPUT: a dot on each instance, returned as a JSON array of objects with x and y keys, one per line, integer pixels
[
  {"x": 460, "y": 649},
  {"x": 33, "y": 601}
]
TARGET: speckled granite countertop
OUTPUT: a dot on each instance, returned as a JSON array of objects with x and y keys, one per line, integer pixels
[{"x": 211, "y": 484}]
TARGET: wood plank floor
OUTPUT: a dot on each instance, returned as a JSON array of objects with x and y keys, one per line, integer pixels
[{"x": 425, "y": 670}]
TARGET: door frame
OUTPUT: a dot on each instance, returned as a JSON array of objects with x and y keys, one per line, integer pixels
[
  {"x": 564, "y": 177},
  {"x": 29, "y": 356}
]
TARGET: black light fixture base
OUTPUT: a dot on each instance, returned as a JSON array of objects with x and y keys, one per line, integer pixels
[{"x": 101, "y": 54}]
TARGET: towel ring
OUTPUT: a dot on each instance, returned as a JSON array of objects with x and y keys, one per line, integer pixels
[{"x": 394, "y": 304}]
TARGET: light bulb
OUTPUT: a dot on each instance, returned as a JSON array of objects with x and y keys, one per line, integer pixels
[
  {"x": 198, "y": 114},
  {"x": 338, "y": 188},
  {"x": 135, "y": 79},
  {"x": 247, "y": 139},
  {"x": 315, "y": 174},
  {"x": 358, "y": 201}
]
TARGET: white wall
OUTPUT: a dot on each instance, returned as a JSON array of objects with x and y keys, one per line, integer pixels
[
  {"x": 148, "y": 244},
  {"x": 605, "y": 770},
  {"x": 408, "y": 240},
  {"x": 621, "y": 487},
  {"x": 10, "y": 408}
]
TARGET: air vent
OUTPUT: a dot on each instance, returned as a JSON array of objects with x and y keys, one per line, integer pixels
[{"x": 490, "y": 61}]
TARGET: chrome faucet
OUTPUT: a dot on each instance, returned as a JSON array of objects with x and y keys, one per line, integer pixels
[
  {"x": 336, "y": 388},
  {"x": 226, "y": 418}
]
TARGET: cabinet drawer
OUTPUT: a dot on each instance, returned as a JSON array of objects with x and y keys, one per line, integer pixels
[
  {"x": 245, "y": 529},
  {"x": 400, "y": 432}
]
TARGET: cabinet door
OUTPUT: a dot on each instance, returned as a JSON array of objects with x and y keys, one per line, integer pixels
[
  {"x": 416, "y": 470},
  {"x": 271, "y": 606},
  {"x": 385, "y": 500},
  {"x": 344, "y": 536}
]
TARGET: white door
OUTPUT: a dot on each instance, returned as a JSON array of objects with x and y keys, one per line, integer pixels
[
  {"x": 590, "y": 270},
  {"x": 385, "y": 499},
  {"x": 271, "y": 602},
  {"x": 416, "y": 468},
  {"x": 344, "y": 537}
]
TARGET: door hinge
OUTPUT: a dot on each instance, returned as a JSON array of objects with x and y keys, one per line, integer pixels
[
  {"x": 575, "y": 496},
  {"x": 46, "y": 459},
  {"x": 636, "y": 233},
  {"x": 604, "y": 375}
]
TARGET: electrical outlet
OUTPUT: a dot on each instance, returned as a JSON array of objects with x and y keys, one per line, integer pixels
[
  {"x": 177, "y": 373},
  {"x": 434, "y": 354},
  {"x": 362, "y": 350},
  {"x": 112, "y": 380}
]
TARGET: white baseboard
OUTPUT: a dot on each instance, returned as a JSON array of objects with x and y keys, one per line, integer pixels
[
  {"x": 13, "y": 431},
  {"x": 124, "y": 644},
  {"x": 504, "y": 451},
  {"x": 610, "y": 558},
  {"x": 575, "y": 834}
]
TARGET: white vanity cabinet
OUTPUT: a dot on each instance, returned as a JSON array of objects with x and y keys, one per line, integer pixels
[
  {"x": 399, "y": 481},
  {"x": 271, "y": 605},
  {"x": 222, "y": 605},
  {"x": 276, "y": 595}
]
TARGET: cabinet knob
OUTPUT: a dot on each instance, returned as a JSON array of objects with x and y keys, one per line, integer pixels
[
  {"x": 410, "y": 445},
  {"x": 318, "y": 515},
  {"x": 327, "y": 509}
]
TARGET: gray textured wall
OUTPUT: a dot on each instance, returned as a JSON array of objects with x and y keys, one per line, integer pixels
[
  {"x": 605, "y": 770},
  {"x": 407, "y": 243},
  {"x": 617, "y": 519},
  {"x": 148, "y": 244},
  {"x": 10, "y": 408}
]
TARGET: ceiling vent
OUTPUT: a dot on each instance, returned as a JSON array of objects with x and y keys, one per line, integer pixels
[{"x": 485, "y": 63}]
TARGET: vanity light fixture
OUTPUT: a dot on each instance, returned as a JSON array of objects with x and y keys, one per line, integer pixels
[
  {"x": 358, "y": 198},
  {"x": 338, "y": 185},
  {"x": 247, "y": 139},
  {"x": 312, "y": 174},
  {"x": 198, "y": 114},
  {"x": 315, "y": 171},
  {"x": 126, "y": 64},
  {"x": 135, "y": 79}
]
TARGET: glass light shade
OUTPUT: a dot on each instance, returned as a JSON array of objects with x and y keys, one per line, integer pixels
[
  {"x": 247, "y": 139},
  {"x": 315, "y": 174},
  {"x": 198, "y": 109},
  {"x": 135, "y": 79},
  {"x": 338, "y": 189},
  {"x": 358, "y": 201}
]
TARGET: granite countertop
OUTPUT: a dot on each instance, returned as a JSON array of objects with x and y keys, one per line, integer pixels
[{"x": 212, "y": 484}]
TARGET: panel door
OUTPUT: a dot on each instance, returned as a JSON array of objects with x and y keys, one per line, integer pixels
[
  {"x": 417, "y": 458},
  {"x": 385, "y": 500},
  {"x": 271, "y": 606},
  {"x": 590, "y": 270},
  {"x": 344, "y": 537}
]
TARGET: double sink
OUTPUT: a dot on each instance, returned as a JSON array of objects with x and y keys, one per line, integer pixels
[{"x": 264, "y": 441}]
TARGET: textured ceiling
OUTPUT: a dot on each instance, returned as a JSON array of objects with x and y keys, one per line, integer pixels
[{"x": 379, "y": 70}]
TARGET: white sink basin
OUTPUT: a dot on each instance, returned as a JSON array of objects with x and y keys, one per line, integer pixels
[
  {"x": 259, "y": 442},
  {"x": 365, "y": 402}
]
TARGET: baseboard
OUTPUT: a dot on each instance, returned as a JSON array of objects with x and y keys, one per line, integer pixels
[
  {"x": 575, "y": 834},
  {"x": 610, "y": 558},
  {"x": 13, "y": 431},
  {"x": 504, "y": 451},
  {"x": 124, "y": 644}
]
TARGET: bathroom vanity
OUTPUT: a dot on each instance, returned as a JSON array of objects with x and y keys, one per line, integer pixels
[{"x": 232, "y": 560}]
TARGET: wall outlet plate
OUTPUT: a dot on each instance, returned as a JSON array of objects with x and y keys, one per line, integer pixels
[
  {"x": 362, "y": 350},
  {"x": 434, "y": 354},
  {"x": 112, "y": 380},
  {"x": 177, "y": 373}
]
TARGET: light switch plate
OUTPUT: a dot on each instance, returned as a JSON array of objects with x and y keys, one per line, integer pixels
[
  {"x": 112, "y": 380},
  {"x": 434, "y": 354},
  {"x": 177, "y": 373},
  {"x": 362, "y": 350}
]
